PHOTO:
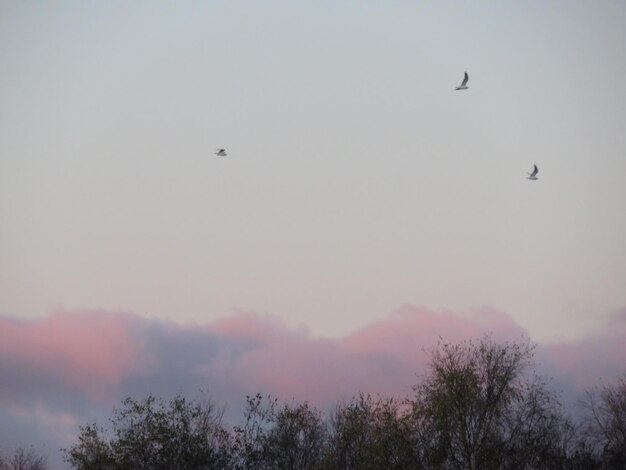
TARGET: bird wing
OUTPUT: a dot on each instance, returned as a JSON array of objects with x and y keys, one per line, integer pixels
[
  {"x": 535, "y": 171},
  {"x": 465, "y": 79}
]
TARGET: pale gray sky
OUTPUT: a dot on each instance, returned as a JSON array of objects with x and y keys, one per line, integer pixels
[{"x": 357, "y": 180}]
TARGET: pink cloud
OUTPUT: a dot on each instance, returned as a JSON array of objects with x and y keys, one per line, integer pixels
[
  {"x": 90, "y": 351},
  {"x": 411, "y": 329},
  {"x": 382, "y": 357},
  {"x": 103, "y": 355}
]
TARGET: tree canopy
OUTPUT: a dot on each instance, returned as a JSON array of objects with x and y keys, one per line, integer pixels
[
  {"x": 480, "y": 405},
  {"x": 152, "y": 434}
]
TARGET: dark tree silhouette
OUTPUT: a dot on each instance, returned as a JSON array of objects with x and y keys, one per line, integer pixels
[
  {"x": 22, "y": 459},
  {"x": 151, "y": 434},
  {"x": 273, "y": 437},
  {"x": 480, "y": 407},
  {"x": 605, "y": 423},
  {"x": 371, "y": 433}
]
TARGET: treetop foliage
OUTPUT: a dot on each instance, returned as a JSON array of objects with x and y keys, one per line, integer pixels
[{"x": 479, "y": 406}]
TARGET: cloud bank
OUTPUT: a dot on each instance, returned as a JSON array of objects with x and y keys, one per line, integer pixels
[{"x": 69, "y": 368}]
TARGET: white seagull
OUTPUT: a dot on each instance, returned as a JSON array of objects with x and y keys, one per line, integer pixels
[
  {"x": 533, "y": 175},
  {"x": 463, "y": 83},
  {"x": 221, "y": 152}
]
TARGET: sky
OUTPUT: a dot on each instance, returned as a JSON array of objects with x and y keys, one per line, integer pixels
[{"x": 358, "y": 182}]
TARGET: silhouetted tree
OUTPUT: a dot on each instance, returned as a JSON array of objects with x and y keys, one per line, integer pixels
[
  {"x": 287, "y": 437},
  {"x": 297, "y": 439},
  {"x": 22, "y": 459},
  {"x": 605, "y": 423},
  {"x": 572, "y": 452},
  {"x": 479, "y": 407},
  {"x": 370, "y": 434},
  {"x": 151, "y": 434}
]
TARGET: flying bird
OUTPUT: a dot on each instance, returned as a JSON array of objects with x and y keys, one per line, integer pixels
[
  {"x": 533, "y": 175},
  {"x": 464, "y": 83},
  {"x": 221, "y": 152}
]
